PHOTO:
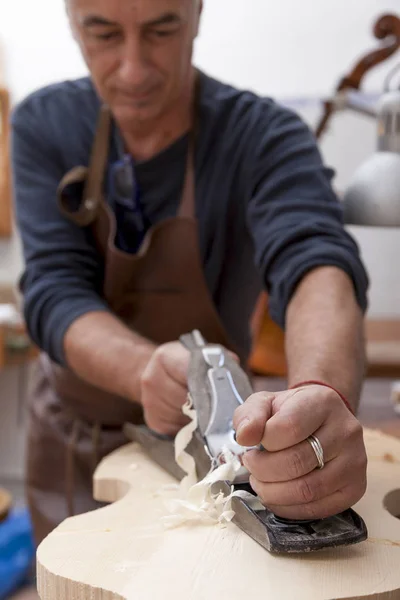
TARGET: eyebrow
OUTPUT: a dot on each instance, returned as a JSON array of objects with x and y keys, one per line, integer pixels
[
  {"x": 96, "y": 21},
  {"x": 166, "y": 19}
]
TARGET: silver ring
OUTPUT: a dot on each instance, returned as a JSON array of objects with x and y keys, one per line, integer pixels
[{"x": 318, "y": 450}]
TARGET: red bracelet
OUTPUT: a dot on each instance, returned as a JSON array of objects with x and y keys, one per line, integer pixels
[{"x": 311, "y": 382}]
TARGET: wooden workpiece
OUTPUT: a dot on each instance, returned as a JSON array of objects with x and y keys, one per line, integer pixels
[
  {"x": 123, "y": 551},
  {"x": 5, "y": 175},
  {"x": 5, "y": 504}
]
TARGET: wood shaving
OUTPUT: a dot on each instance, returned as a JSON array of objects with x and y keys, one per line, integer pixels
[
  {"x": 196, "y": 504},
  {"x": 182, "y": 440}
]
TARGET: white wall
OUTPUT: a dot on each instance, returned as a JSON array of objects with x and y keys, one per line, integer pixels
[{"x": 287, "y": 49}]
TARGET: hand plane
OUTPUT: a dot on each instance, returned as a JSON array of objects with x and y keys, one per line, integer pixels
[{"x": 217, "y": 386}]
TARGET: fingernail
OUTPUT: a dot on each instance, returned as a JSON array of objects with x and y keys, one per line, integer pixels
[{"x": 242, "y": 425}]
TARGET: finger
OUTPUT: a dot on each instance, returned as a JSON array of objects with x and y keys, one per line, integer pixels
[
  {"x": 313, "y": 487},
  {"x": 297, "y": 461},
  {"x": 175, "y": 359},
  {"x": 250, "y": 418},
  {"x": 166, "y": 406},
  {"x": 165, "y": 425},
  {"x": 173, "y": 395},
  {"x": 234, "y": 356},
  {"x": 163, "y": 412},
  {"x": 159, "y": 388},
  {"x": 321, "y": 509},
  {"x": 299, "y": 416}
]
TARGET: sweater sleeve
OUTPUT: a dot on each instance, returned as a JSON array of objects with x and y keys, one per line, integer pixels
[
  {"x": 295, "y": 217},
  {"x": 63, "y": 272}
]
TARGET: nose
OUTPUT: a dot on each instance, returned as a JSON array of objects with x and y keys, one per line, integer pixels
[{"x": 134, "y": 67}]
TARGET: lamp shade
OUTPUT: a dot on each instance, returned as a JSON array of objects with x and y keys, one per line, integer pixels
[{"x": 373, "y": 197}]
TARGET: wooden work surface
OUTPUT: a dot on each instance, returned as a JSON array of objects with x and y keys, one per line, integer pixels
[
  {"x": 16, "y": 348},
  {"x": 123, "y": 552}
]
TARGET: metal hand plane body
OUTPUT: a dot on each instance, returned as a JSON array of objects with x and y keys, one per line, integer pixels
[
  {"x": 217, "y": 386},
  {"x": 215, "y": 397}
]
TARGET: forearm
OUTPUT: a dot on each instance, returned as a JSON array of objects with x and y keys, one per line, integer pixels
[
  {"x": 104, "y": 352},
  {"x": 325, "y": 333}
]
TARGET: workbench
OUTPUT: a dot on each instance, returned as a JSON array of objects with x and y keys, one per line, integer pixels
[{"x": 16, "y": 348}]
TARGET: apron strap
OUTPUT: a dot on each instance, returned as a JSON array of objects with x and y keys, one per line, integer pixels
[
  {"x": 91, "y": 178},
  {"x": 187, "y": 208},
  {"x": 93, "y": 191}
]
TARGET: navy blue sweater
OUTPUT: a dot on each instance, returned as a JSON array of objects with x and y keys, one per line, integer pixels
[{"x": 266, "y": 209}]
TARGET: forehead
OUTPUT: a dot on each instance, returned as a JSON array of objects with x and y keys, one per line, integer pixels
[{"x": 134, "y": 10}]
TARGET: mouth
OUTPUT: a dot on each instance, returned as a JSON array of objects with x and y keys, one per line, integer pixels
[{"x": 137, "y": 98}]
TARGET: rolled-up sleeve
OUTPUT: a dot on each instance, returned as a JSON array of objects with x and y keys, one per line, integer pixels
[
  {"x": 294, "y": 215},
  {"x": 62, "y": 274}
]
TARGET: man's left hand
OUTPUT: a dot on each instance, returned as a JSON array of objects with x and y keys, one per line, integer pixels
[{"x": 285, "y": 475}]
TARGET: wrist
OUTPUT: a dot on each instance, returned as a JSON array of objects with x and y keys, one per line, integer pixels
[{"x": 327, "y": 385}]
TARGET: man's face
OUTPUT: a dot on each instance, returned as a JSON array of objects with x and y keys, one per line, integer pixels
[{"x": 139, "y": 52}]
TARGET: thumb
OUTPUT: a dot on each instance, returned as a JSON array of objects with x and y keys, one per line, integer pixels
[{"x": 251, "y": 417}]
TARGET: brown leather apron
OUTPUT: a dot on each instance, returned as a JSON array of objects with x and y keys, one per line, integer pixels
[{"x": 159, "y": 292}]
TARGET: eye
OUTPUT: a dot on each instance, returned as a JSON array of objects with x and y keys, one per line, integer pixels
[
  {"x": 106, "y": 37},
  {"x": 163, "y": 33}
]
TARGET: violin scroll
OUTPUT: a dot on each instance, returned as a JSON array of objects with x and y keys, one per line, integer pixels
[{"x": 387, "y": 29}]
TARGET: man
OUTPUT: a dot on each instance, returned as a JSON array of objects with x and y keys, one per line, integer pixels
[{"x": 151, "y": 200}]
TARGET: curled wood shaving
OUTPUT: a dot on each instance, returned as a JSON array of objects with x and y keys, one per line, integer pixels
[
  {"x": 196, "y": 504},
  {"x": 182, "y": 440}
]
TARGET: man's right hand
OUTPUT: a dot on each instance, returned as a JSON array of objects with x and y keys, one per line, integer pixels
[{"x": 164, "y": 388}]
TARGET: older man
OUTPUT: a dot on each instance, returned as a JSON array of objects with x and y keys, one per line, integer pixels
[{"x": 151, "y": 200}]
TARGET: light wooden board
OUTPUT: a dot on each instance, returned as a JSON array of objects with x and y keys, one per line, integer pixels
[
  {"x": 5, "y": 175},
  {"x": 122, "y": 551},
  {"x": 5, "y": 504}
]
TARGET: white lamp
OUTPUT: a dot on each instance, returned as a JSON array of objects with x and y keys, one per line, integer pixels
[{"x": 373, "y": 196}]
